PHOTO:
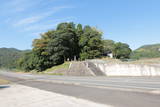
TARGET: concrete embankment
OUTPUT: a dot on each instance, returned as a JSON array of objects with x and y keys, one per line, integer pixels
[
  {"x": 84, "y": 69},
  {"x": 128, "y": 69},
  {"x": 103, "y": 68},
  {"x": 79, "y": 69}
]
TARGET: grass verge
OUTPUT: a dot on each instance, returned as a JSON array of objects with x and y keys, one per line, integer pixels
[{"x": 48, "y": 71}]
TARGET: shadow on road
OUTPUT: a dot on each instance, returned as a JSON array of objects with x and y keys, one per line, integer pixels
[{"x": 4, "y": 86}]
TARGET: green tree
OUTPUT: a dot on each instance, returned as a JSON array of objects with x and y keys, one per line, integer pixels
[
  {"x": 64, "y": 43},
  {"x": 27, "y": 62},
  {"x": 90, "y": 43},
  {"x": 121, "y": 50},
  {"x": 108, "y": 46},
  {"x": 41, "y": 53}
]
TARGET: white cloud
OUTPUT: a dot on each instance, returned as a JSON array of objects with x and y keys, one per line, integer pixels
[
  {"x": 40, "y": 27},
  {"x": 37, "y": 18},
  {"x": 52, "y": 24},
  {"x": 66, "y": 19},
  {"x": 28, "y": 20}
]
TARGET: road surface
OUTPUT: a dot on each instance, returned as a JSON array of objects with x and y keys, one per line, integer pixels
[{"x": 115, "y": 91}]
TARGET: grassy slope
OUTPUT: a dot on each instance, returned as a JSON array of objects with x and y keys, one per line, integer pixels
[
  {"x": 62, "y": 66},
  {"x": 49, "y": 71}
]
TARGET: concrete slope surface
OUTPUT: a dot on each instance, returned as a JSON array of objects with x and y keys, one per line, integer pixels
[
  {"x": 79, "y": 69},
  {"x": 127, "y": 69},
  {"x": 95, "y": 69},
  {"x": 85, "y": 68}
]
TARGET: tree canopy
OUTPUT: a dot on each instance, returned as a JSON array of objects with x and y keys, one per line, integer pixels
[
  {"x": 108, "y": 46},
  {"x": 121, "y": 50}
]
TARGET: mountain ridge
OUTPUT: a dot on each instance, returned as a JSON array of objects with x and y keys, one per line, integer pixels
[
  {"x": 9, "y": 56},
  {"x": 147, "y": 51}
]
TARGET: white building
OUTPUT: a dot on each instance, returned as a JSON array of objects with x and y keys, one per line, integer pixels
[{"x": 110, "y": 55}]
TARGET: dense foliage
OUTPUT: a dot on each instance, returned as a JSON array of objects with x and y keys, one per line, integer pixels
[
  {"x": 67, "y": 42},
  {"x": 121, "y": 51},
  {"x": 147, "y": 51},
  {"x": 108, "y": 47}
]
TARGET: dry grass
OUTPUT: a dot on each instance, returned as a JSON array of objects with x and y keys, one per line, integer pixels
[
  {"x": 111, "y": 60},
  {"x": 62, "y": 66},
  {"x": 141, "y": 61},
  {"x": 147, "y": 61},
  {"x": 2, "y": 82}
]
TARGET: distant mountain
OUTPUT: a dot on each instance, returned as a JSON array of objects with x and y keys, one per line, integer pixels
[
  {"x": 147, "y": 51},
  {"x": 9, "y": 56}
]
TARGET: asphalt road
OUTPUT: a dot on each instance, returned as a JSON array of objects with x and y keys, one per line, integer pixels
[{"x": 116, "y": 91}]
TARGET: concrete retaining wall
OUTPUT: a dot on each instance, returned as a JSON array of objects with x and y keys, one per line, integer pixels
[{"x": 129, "y": 69}]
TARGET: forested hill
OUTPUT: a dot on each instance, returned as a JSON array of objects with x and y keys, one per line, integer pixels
[
  {"x": 147, "y": 51},
  {"x": 9, "y": 56},
  {"x": 153, "y": 47}
]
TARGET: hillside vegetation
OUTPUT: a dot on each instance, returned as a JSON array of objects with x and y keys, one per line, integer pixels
[
  {"x": 9, "y": 57},
  {"x": 146, "y": 51}
]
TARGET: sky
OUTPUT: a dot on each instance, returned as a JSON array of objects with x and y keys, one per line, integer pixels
[{"x": 135, "y": 22}]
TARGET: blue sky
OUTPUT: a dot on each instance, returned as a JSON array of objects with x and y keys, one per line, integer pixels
[{"x": 136, "y": 22}]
